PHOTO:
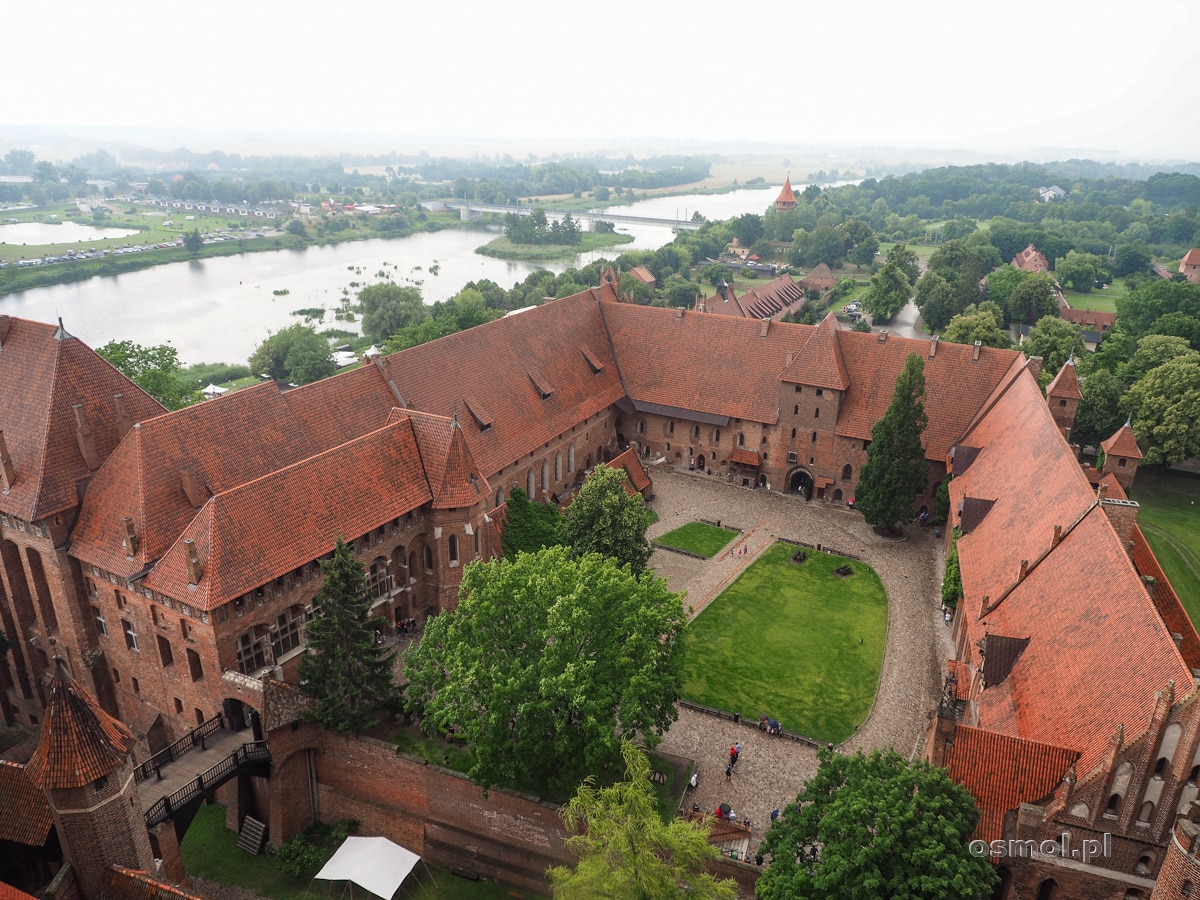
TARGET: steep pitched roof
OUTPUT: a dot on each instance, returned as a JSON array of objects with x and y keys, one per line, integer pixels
[
  {"x": 347, "y": 492},
  {"x": 772, "y": 299},
  {"x": 1002, "y": 771},
  {"x": 8, "y": 892},
  {"x": 454, "y": 479},
  {"x": 80, "y": 742},
  {"x": 1122, "y": 443},
  {"x": 24, "y": 812},
  {"x": 1065, "y": 385},
  {"x": 1191, "y": 258},
  {"x": 819, "y": 279},
  {"x": 636, "y": 479},
  {"x": 786, "y": 195},
  {"x": 130, "y": 884},
  {"x": 45, "y": 373},
  {"x": 1093, "y": 319},
  {"x": 820, "y": 362}
]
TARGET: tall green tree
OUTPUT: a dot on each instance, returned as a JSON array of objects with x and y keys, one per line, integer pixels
[
  {"x": 908, "y": 262},
  {"x": 896, "y": 467},
  {"x": 626, "y": 850},
  {"x": 154, "y": 369},
  {"x": 388, "y": 307},
  {"x": 296, "y": 354},
  {"x": 605, "y": 518},
  {"x": 546, "y": 660},
  {"x": 1099, "y": 415},
  {"x": 887, "y": 293},
  {"x": 1055, "y": 340},
  {"x": 346, "y": 670},
  {"x": 882, "y": 827},
  {"x": 192, "y": 242},
  {"x": 529, "y": 526},
  {"x": 1032, "y": 299},
  {"x": 936, "y": 300},
  {"x": 1165, "y": 409},
  {"x": 974, "y": 324}
]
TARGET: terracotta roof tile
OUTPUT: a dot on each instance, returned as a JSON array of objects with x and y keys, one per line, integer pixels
[
  {"x": 80, "y": 742},
  {"x": 454, "y": 479},
  {"x": 1098, "y": 321},
  {"x": 1002, "y": 771},
  {"x": 820, "y": 362},
  {"x": 744, "y": 457},
  {"x": 24, "y": 812},
  {"x": 1065, "y": 385},
  {"x": 1123, "y": 443},
  {"x": 347, "y": 491},
  {"x": 8, "y": 892},
  {"x": 130, "y": 884},
  {"x": 44, "y": 374},
  {"x": 636, "y": 479},
  {"x": 1191, "y": 258},
  {"x": 787, "y": 195}
]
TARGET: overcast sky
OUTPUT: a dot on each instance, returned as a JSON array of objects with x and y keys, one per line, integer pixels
[{"x": 1115, "y": 78}]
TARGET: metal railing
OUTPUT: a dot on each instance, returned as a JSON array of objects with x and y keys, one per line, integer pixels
[
  {"x": 154, "y": 765},
  {"x": 163, "y": 808}
]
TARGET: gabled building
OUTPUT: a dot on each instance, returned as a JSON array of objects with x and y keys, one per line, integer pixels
[
  {"x": 1031, "y": 260},
  {"x": 1189, "y": 266}
]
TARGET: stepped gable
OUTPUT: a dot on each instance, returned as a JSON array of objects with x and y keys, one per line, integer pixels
[
  {"x": 1065, "y": 384},
  {"x": 706, "y": 368},
  {"x": 1081, "y": 601},
  {"x": 347, "y": 491},
  {"x": 25, "y": 816},
  {"x": 489, "y": 365},
  {"x": 224, "y": 443},
  {"x": 44, "y": 373},
  {"x": 80, "y": 742},
  {"x": 820, "y": 361},
  {"x": 956, "y": 386},
  {"x": 342, "y": 407},
  {"x": 1002, "y": 771},
  {"x": 1122, "y": 443},
  {"x": 453, "y": 477}
]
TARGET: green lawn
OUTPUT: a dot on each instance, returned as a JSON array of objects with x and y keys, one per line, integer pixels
[
  {"x": 699, "y": 538},
  {"x": 1171, "y": 523},
  {"x": 794, "y": 642},
  {"x": 210, "y": 851}
]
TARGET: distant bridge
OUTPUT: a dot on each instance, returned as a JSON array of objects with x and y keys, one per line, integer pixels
[{"x": 466, "y": 208}]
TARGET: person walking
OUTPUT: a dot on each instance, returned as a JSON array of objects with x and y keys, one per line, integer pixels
[
  {"x": 729, "y": 773},
  {"x": 733, "y": 755}
]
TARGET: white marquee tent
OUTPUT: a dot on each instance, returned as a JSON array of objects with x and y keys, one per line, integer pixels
[
  {"x": 213, "y": 391},
  {"x": 374, "y": 863}
]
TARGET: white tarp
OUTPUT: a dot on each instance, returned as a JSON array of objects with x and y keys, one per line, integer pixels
[
  {"x": 213, "y": 391},
  {"x": 374, "y": 863}
]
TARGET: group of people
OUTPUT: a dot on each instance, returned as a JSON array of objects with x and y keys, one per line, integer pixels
[
  {"x": 769, "y": 725},
  {"x": 734, "y": 752},
  {"x": 406, "y": 626}
]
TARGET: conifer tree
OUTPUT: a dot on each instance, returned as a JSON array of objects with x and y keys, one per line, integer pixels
[
  {"x": 896, "y": 467},
  {"x": 346, "y": 670}
]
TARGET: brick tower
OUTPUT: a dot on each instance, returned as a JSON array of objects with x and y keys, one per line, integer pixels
[
  {"x": 1121, "y": 455},
  {"x": 1063, "y": 395},
  {"x": 787, "y": 197},
  {"x": 83, "y": 763}
]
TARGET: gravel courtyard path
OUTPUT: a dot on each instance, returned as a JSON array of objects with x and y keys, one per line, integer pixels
[{"x": 772, "y": 770}]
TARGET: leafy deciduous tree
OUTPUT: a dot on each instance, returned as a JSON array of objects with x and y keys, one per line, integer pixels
[
  {"x": 154, "y": 369},
  {"x": 888, "y": 292},
  {"x": 1054, "y": 340},
  {"x": 1099, "y": 414},
  {"x": 936, "y": 300},
  {"x": 896, "y": 466},
  {"x": 908, "y": 262},
  {"x": 345, "y": 670},
  {"x": 1165, "y": 407},
  {"x": 973, "y": 325},
  {"x": 388, "y": 307},
  {"x": 192, "y": 242},
  {"x": 885, "y": 828},
  {"x": 626, "y": 850},
  {"x": 546, "y": 660},
  {"x": 296, "y": 354},
  {"x": 604, "y": 518}
]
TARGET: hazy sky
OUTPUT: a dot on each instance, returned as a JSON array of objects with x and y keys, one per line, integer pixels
[{"x": 1116, "y": 78}]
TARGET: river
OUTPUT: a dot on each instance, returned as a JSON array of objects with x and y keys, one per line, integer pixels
[{"x": 220, "y": 309}]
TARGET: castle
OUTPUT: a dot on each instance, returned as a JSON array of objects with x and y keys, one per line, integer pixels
[{"x": 172, "y": 557}]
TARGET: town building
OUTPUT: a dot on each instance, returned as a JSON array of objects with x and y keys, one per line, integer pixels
[
  {"x": 1189, "y": 266},
  {"x": 173, "y": 557}
]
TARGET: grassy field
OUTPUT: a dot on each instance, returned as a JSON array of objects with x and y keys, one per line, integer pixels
[
  {"x": 699, "y": 538},
  {"x": 1102, "y": 300},
  {"x": 795, "y": 642},
  {"x": 210, "y": 851},
  {"x": 503, "y": 248},
  {"x": 1171, "y": 523}
]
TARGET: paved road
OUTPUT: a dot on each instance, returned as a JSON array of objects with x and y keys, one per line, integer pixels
[{"x": 772, "y": 770}]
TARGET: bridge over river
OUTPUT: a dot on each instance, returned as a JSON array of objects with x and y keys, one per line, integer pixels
[{"x": 598, "y": 215}]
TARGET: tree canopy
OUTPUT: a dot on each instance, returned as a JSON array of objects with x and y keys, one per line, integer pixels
[
  {"x": 295, "y": 354},
  {"x": 896, "y": 467},
  {"x": 1054, "y": 340},
  {"x": 546, "y": 660},
  {"x": 626, "y": 850},
  {"x": 881, "y": 827},
  {"x": 387, "y": 308},
  {"x": 1165, "y": 406},
  {"x": 888, "y": 292},
  {"x": 154, "y": 369},
  {"x": 974, "y": 324},
  {"x": 345, "y": 670},
  {"x": 529, "y": 526},
  {"x": 605, "y": 518}
]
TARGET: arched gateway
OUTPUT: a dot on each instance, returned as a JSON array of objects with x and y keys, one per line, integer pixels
[{"x": 800, "y": 482}]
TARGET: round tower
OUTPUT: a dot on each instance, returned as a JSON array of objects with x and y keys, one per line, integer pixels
[
  {"x": 84, "y": 765},
  {"x": 1179, "y": 876}
]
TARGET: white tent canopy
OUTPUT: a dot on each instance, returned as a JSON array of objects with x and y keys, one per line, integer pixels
[
  {"x": 374, "y": 863},
  {"x": 213, "y": 391}
]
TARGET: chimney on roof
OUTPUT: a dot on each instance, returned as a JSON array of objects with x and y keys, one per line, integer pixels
[
  {"x": 195, "y": 573},
  {"x": 124, "y": 423},
  {"x": 191, "y": 486},
  {"x": 762, "y": 328},
  {"x": 1122, "y": 515},
  {"x": 1024, "y": 570},
  {"x": 883, "y": 336},
  {"x": 130, "y": 541},
  {"x": 679, "y": 312},
  {"x": 975, "y": 354},
  {"x": 1034, "y": 365},
  {"x": 5, "y": 324},
  {"x": 933, "y": 342},
  {"x": 85, "y": 439},
  {"x": 790, "y": 357},
  {"x": 1054, "y": 541},
  {"x": 7, "y": 469}
]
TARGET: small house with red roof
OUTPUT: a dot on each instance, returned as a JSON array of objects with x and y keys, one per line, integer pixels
[
  {"x": 1031, "y": 260},
  {"x": 1189, "y": 266}
]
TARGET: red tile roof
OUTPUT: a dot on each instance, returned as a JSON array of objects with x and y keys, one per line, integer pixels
[
  {"x": 1030, "y": 260},
  {"x": 24, "y": 812},
  {"x": 1123, "y": 443},
  {"x": 642, "y": 274},
  {"x": 636, "y": 479},
  {"x": 773, "y": 299},
  {"x": 80, "y": 742},
  {"x": 1065, "y": 385},
  {"x": 818, "y": 280},
  {"x": 787, "y": 195},
  {"x": 820, "y": 362},
  {"x": 1092, "y": 319},
  {"x": 1191, "y": 258},
  {"x": 1003, "y": 771},
  {"x": 8, "y": 892},
  {"x": 347, "y": 492},
  {"x": 44, "y": 374},
  {"x": 454, "y": 479},
  {"x": 744, "y": 457},
  {"x": 130, "y": 884}
]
